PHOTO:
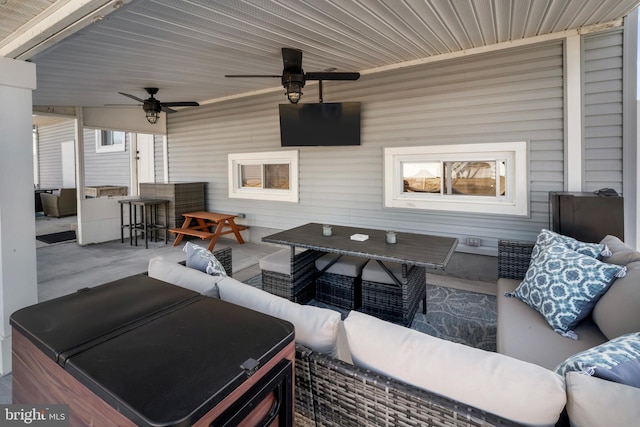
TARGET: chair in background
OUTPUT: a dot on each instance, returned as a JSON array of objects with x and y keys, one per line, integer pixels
[{"x": 62, "y": 204}]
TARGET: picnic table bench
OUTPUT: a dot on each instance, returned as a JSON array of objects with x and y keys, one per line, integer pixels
[{"x": 205, "y": 221}]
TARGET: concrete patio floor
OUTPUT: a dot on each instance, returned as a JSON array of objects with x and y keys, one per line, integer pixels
[{"x": 65, "y": 267}]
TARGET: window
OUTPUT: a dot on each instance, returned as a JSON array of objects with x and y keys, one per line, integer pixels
[
  {"x": 481, "y": 178},
  {"x": 108, "y": 141},
  {"x": 264, "y": 176}
]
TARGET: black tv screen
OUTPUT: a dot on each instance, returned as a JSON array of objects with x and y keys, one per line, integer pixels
[{"x": 320, "y": 124}]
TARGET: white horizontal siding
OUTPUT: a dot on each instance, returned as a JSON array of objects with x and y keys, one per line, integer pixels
[
  {"x": 503, "y": 96},
  {"x": 50, "y": 138},
  {"x": 105, "y": 168}
]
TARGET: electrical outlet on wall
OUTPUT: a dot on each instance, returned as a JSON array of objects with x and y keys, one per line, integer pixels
[{"x": 473, "y": 241}]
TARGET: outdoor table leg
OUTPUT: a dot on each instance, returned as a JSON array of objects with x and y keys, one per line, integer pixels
[
  {"x": 235, "y": 229},
  {"x": 121, "y": 223},
  {"x": 131, "y": 224},
  {"x": 144, "y": 226},
  {"x": 166, "y": 223}
]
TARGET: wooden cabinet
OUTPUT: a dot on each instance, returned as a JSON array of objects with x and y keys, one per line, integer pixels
[
  {"x": 586, "y": 216},
  {"x": 183, "y": 197}
]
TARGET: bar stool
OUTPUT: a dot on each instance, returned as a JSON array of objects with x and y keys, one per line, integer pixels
[{"x": 339, "y": 280}]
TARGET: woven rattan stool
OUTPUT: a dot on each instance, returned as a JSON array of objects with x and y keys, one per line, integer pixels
[
  {"x": 290, "y": 274},
  {"x": 340, "y": 284},
  {"x": 385, "y": 299}
]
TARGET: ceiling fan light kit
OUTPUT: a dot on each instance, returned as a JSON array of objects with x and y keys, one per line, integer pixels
[
  {"x": 294, "y": 78},
  {"x": 153, "y": 107},
  {"x": 152, "y": 116}
]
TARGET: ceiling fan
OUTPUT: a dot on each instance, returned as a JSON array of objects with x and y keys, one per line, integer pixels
[
  {"x": 294, "y": 78},
  {"x": 152, "y": 106}
]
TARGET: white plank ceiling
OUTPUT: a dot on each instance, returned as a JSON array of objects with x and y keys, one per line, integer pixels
[{"x": 185, "y": 47}]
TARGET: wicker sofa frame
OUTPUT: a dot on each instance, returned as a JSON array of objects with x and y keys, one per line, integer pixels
[
  {"x": 514, "y": 257},
  {"x": 330, "y": 392},
  {"x": 299, "y": 286}
]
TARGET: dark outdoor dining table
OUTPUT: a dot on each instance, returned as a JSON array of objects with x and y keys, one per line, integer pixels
[
  {"x": 422, "y": 250},
  {"x": 415, "y": 252}
]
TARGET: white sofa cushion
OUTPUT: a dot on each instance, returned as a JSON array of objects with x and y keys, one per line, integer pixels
[
  {"x": 179, "y": 275},
  {"x": 594, "y": 402},
  {"x": 279, "y": 262},
  {"x": 621, "y": 253},
  {"x": 316, "y": 328},
  {"x": 347, "y": 265},
  {"x": 508, "y": 387},
  {"x": 373, "y": 272},
  {"x": 524, "y": 334},
  {"x": 617, "y": 313}
]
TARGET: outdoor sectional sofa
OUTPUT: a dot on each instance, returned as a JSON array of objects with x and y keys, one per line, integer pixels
[{"x": 365, "y": 371}]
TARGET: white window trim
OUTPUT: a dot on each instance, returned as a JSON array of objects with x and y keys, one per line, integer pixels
[
  {"x": 236, "y": 191},
  {"x": 109, "y": 148},
  {"x": 516, "y": 199}
]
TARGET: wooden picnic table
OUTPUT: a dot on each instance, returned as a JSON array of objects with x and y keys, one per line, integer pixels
[{"x": 205, "y": 221}]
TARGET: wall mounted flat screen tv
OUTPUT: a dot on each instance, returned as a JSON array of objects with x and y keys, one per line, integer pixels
[{"x": 320, "y": 124}]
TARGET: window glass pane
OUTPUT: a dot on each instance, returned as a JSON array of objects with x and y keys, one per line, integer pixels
[
  {"x": 473, "y": 178},
  {"x": 421, "y": 177},
  {"x": 276, "y": 176},
  {"x": 251, "y": 176},
  {"x": 117, "y": 138},
  {"x": 110, "y": 138}
]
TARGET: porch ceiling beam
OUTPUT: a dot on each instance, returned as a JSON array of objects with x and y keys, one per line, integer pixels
[{"x": 57, "y": 22}]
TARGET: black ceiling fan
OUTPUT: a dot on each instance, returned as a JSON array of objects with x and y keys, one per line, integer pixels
[
  {"x": 294, "y": 78},
  {"x": 152, "y": 106}
]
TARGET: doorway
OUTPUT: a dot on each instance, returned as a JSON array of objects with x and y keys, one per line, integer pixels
[{"x": 145, "y": 159}]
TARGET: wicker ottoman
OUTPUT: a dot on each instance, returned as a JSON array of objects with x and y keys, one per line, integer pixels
[
  {"x": 290, "y": 276},
  {"x": 340, "y": 284},
  {"x": 383, "y": 298}
]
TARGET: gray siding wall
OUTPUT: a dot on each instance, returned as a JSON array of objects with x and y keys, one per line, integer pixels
[
  {"x": 509, "y": 95},
  {"x": 50, "y": 138},
  {"x": 603, "y": 111},
  {"x": 158, "y": 158},
  {"x": 105, "y": 168}
]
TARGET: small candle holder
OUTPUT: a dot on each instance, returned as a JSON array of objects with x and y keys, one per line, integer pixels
[
  {"x": 326, "y": 230},
  {"x": 391, "y": 237}
]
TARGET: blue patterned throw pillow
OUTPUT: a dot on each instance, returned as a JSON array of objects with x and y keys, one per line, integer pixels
[
  {"x": 203, "y": 260},
  {"x": 547, "y": 238},
  {"x": 564, "y": 285},
  {"x": 617, "y": 360}
]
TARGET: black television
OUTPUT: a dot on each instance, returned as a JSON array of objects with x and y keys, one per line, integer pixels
[{"x": 320, "y": 124}]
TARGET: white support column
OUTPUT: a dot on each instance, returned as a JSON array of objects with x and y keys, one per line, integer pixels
[
  {"x": 630, "y": 152},
  {"x": 80, "y": 174},
  {"x": 573, "y": 112},
  {"x": 18, "y": 277},
  {"x": 133, "y": 164}
]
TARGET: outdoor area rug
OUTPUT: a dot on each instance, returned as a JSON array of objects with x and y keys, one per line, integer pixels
[
  {"x": 455, "y": 315},
  {"x": 63, "y": 236}
]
